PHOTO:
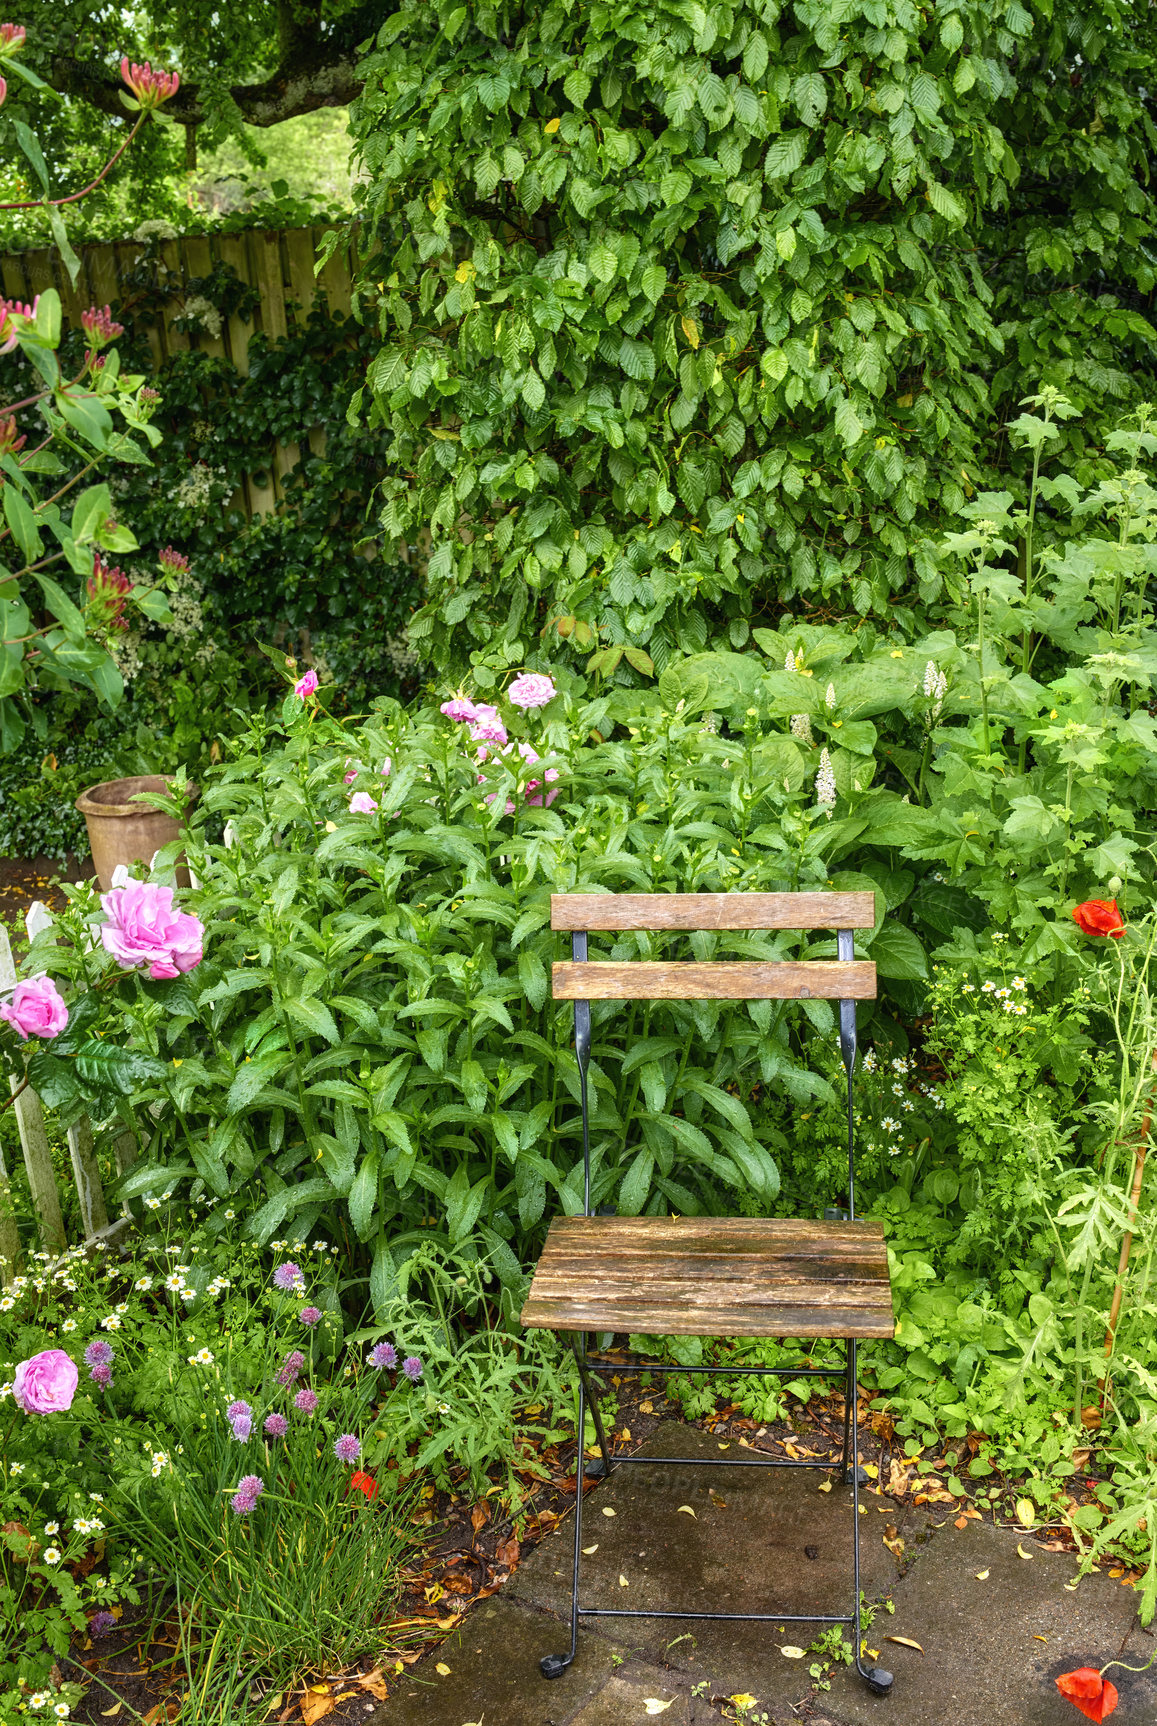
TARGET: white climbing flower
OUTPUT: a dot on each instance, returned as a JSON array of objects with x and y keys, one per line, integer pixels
[{"x": 825, "y": 782}]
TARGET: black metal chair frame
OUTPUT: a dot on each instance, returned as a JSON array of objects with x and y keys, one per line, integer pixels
[{"x": 877, "y": 1679}]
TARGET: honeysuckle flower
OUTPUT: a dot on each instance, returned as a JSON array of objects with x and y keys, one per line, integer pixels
[
  {"x": 150, "y": 87},
  {"x": 532, "y": 689},
  {"x": 100, "y": 326},
  {"x": 12, "y": 38},
  {"x": 173, "y": 560},
  {"x": 11, "y": 313},
  {"x": 306, "y": 685},
  {"x": 10, "y": 444}
]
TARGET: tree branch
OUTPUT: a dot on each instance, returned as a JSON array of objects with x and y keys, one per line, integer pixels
[{"x": 317, "y": 68}]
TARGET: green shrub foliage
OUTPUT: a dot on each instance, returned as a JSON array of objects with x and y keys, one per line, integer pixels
[{"x": 685, "y": 309}]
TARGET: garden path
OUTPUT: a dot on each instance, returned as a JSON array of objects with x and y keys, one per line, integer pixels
[{"x": 995, "y": 1628}]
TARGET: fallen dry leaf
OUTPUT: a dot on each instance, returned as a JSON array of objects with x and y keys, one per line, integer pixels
[
  {"x": 905, "y": 1642},
  {"x": 685, "y": 1510},
  {"x": 625, "y": 1435},
  {"x": 982, "y": 1576},
  {"x": 314, "y": 1706},
  {"x": 1021, "y": 1553},
  {"x": 961, "y": 1522},
  {"x": 479, "y": 1517},
  {"x": 870, "y": 1469},
  {"x": 507, "y": 1552},
  {"x": 743, "y": 1700},
  {"x": 893, "y": 1541},
  {"x": 652, "y": 1705},
  {"x": 825, "y": 1486},
  {"x": 374, "y": 1683},
  {"x": 791, "y": 1652},
  {"x": 898, "y": 1478},
  {"x": 442, "y": 1669},
  {"x": 935, "y": 1495},
  {"x": 589, "y": 1549},
  {"x": 646, "y": 1408},
  {"x": 1040, "y": 1638},
  {"x": 107, "y": 1713},
  {"x": 607, "y": 1511}
]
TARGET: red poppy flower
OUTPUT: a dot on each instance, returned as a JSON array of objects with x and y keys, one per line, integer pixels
[
  {"x": 364, "y": 1483},
  {"x": 1099, "y": 917},
  {"x": 1087, "y": 1690}
]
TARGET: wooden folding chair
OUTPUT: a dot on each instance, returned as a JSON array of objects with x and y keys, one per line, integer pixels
[{"x": 711, "y": 1276}]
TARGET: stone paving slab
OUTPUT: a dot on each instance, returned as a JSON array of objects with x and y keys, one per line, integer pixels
[
  {"x": 494, "y": 1677},
  {"x": 759, "y": 1539},
  {"x": 982, "y": 1663}
]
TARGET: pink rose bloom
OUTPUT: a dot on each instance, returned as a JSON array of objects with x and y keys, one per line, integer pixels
[
  {"x": 36, "y": 1009},
  {"x": 459, "y": 708},
  {"x": 532, "y": 689},
  {"x": 46, "y": 1384},
  {"x": 361, "y": 803},
  {"x": 306, "y": 685},
  {"x": 145, "y": 928},
  {"x": 487, "y": 727}
]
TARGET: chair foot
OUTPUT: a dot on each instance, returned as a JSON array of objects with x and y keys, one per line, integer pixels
[
  {"x": 878, "y": 1681},
  {"x": 595, "y": 1469},
  {"x": 554, "y": 1665}
]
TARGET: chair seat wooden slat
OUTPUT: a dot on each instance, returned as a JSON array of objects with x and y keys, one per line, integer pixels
[
  {"x": 712, "y": 910},
  {"x": 727, "y": 979},
  {"x": 712, "y": 1276}
]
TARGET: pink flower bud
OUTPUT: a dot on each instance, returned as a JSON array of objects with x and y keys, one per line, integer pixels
[
  {"x": 306, "y": 685},
  {"x": 173, "y": 560},
  {"x": 100, "y": 326},
  {"x": 10, "y": 312}
]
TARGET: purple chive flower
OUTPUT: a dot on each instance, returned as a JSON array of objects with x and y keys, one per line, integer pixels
[
  {"x": 290, "y": 1277},
  {"x": 412, "y": 1367},
  {"x": 101, "y": 1623},
  {"x": 347, "y": 1448},
  {"x": 384, "y": 1356},
  {"x": 102, "y": 1375},
  {"x": 276, "y": 1425},
  {"x": 248, "y": 1491},
  {"x": 242, "y": 1426},
  {"x": 291, "y": 1368},
  {"x": 238, "y": 1408},
  {"x": 309, "y": 1315},
  {"x": 305, "y": 1401},
  {"x": 98, "y": 1353}
]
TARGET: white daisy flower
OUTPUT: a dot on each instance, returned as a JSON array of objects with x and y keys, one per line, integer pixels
[
  {"x": 51, "y": 1528},
  {"x": 112, "y": 1322},
  {"x": 61, "y": 1710},
  {"x": 143, "y": 1285},
  {"x": 51, "y": 1555},
  {"x": 174, "y": 1282},
  {"x": 16, "y": 1468},
  {"x": 7, "y": 1304}
]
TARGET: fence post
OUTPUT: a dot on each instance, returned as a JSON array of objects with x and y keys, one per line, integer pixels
[
  {"x": 81, "y": 1149},
  {"x": 34, "y": 1137},
  {"x": 9, "y": 1239}
]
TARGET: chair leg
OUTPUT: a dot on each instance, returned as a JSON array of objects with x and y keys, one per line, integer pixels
[
  {"x": 849, "y": 1414},
  {"x": 596, "y": 1470},
  {"x": 878, "y": 1680},
  {"x": 554, "y": 1665}
]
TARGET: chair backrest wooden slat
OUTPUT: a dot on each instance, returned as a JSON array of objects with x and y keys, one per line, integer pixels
[
  {"x": 727, "y": 980},
  {"x": 712, "y": 910}
]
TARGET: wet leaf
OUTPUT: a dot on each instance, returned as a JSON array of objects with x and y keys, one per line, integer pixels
[
  {"x": 744, "y": 1699},
  {"x": 905, "y": 1642},
  {"x": 442, "y": 1669},
  {"x": 961, "y": 1522},
  {"x": 652, "y": 1705},
  {"x": 791, "y": 1652},
  {"x": 825, "y": 1486},
  {"x": 107, "y": 1713},
  {"x": 623, "y": 1583},
  {"x": 1025, "y": 1512},
  {"x": 646, "y": 1408},
  {"x": 685, "y": 1510},
  {"x": 589, "y": 1549},
  {"x": 607, "y": 1511},
  {"x": 982, "y": 1576},
  {"x": 1021, "y": 1553}
]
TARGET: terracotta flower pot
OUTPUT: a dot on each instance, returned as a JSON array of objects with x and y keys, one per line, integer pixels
[{"x": 123, "y": 831}]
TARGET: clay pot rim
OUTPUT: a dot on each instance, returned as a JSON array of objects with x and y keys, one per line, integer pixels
[{"x": 88, "y": 804}]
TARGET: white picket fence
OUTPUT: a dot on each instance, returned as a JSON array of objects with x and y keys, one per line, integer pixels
[{"x": 29, "y": 1112}]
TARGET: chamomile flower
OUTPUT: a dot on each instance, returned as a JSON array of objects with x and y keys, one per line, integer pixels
[
  {"x": 968, "y": 988},
  {"x": 143, "y": 1285},
  {"x": 52, "y": 1555},
  {"x": 38, "y": 1699},
  {"x": 174, "y": 1282},
  {"x": 110, "y": 1322},
  {"x": 988, "y": 987},
  {"x": 203, "y": 1357},
  {"x": 69, "y": 1324},
  {"x": 229, "y": 1215},
  {"x": 16, "y": 1468},
  {"x": 51, "y": 1528},
  {"x": 897, "y": 1090},
  {"x": 1019, "y": 983},
  {"x": 96, "y": 1497},
  {"x": 61, "y": 1710},
  {"x": 152, "y": 1202},
  {"x": 7, "y": 1304},
  {"x": 889, "y": 1125}
]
